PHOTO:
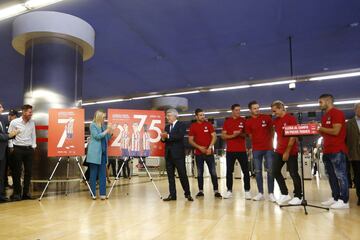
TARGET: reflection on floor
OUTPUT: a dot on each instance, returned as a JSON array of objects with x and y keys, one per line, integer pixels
[{"x": 134, "y": 211}]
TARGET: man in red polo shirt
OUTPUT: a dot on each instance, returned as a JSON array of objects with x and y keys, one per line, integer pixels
[
  {"x": 202, "y": 137},
  {"x": 333, "y": 130},
  {"x": 234, "y": 134},
  {"x": 260, "y": 130},
  {"x": 286, "y": 152}
]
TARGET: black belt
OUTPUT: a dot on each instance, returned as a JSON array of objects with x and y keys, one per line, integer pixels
[{"x": 23, "y": 147}]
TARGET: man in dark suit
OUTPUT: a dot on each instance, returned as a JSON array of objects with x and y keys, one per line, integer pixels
[
  {"x": 13, "y": 114},
  {"x": 173, "y": 136},
  {"x": 4, "y": 137}
]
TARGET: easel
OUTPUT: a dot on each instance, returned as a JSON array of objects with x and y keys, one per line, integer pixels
[
  {"x": 148, "y": 173},
  {"x": 67, "y": 176}
]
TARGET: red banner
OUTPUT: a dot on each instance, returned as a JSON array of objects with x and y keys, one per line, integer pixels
[
  {"x": 301, "y": 129},
  {"x": 137, "y": 132},
  {"x": 66, "y": 132}
]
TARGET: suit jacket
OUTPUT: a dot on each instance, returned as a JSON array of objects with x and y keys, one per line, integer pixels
[
  {"x": 353, "y": 139},
  {"x": 94, "y": 151},
  {"x": 174, "y": 145},
  {"x": 3, "y": 141}
]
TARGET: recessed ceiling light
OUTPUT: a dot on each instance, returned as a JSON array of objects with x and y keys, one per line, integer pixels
[{"x": 335, "y": 76}]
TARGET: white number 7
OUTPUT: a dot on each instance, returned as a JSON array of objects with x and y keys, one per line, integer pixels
[{"x": 63, "y": 136}]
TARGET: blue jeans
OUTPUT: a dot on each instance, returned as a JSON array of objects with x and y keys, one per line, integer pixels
[
  {"x": 335, "y": 166},
  {"x": 95, "y": 170},
  {"x": 210, "y": 161},
  {"x": 258, "y": 163}
]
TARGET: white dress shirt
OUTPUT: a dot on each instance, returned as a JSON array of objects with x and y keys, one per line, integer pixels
[{"x": 27, "y": 134}]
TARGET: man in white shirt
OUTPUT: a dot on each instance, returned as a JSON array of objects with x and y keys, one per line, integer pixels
[{"x": 22, "y": 148}]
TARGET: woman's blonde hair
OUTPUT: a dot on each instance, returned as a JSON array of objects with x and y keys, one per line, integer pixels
[{"x": 99, "y": 117}]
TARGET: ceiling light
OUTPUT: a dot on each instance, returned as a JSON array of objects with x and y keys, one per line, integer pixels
[
  {"x": 12, "y": 11},
  {"x": 328, "y": 77},
  {"x": 229, "y": 88},
  {"x": 347, "y": 102},
  {"x": 212, "y": 113},
  {"x": 5, "y": 113},
  {"x": 110, "y": 101},
  {"x": 88, "y": 103},
  {"x": 182, "y": 93},
  {"x": 185, "y": 114},
  {"x": 39, "y": 3},
  {"x": 308, "y": 105},
  {"x": 146, "y": 97},
  {"x": 273, "y": 83},
  {"x": 265, "y": 108}
]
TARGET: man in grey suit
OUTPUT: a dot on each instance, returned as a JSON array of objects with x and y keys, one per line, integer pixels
[
  {"x": 4, "y": 137},
  {"x": 353, "y": 143}
]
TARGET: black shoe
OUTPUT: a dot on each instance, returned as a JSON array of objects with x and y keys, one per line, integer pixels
[
  {"x": 3, "y": 199},
  {"x": 169, "y": 198},
  {"x": 15, "y": 198},
  {"x": 189, "y": 198},
  {"x": 26, "y": 197},
  {"x": 199, "y": 194},
  {"x": 218, "y": 195}
]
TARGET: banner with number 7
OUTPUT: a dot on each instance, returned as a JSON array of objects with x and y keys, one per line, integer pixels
[{"x": 66, "y": 134}]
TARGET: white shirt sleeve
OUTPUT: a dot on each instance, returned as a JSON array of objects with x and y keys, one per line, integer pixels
[
  {"x": 10, "y": 129},
  {"x": 33, "y": 136}
]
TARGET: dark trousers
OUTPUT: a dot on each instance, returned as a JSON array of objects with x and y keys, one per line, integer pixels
[
  {"x": 356, "y": 168},
  {"x": 126, "y": 169},
  {"x": 178, "y": 164},
  {"x": 22, "y": 156},
  {"x": 292, "y": 165},
  {"x": 210, "y": 162},
  {"x": 231, "y": 157},
  {"x": 2, "y": 180},
  {"x": 6, "y": 180}
]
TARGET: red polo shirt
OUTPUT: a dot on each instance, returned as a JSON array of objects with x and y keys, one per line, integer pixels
[
  {"x": 260, "y": 129},
  {"x": 282, "y": 141},
  {"x": 201, "y": 131},
  {"x": 334, "y": 144},
  {"x": 235, "y": 124}
]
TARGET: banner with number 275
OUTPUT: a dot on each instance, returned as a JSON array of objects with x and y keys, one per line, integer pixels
[{"x": 137, "y": 132}]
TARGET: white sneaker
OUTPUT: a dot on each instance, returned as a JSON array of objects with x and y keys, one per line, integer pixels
[
  {"x": 283, "y": 199},
  {"x": 272, "y": 197},
  {"x": 328, "y": 202},
  {"x": 295, "y": 201},
  {"x": 339, "y": 205},
  {"x": 258, "y": 197},
  {"x": 247, "y": 195},
  {"x": 227, "y": 195},
  {"x": 102, "y": 197}
]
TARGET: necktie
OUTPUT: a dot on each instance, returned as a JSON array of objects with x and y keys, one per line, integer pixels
[{"x": 171, "y": 126}]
